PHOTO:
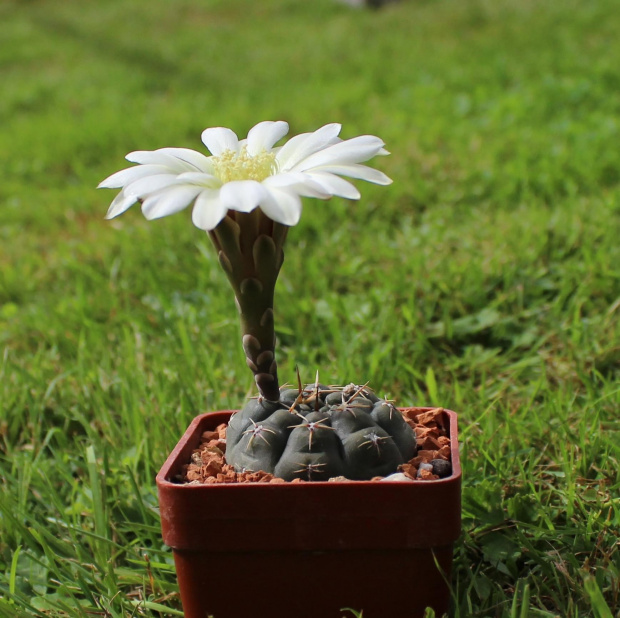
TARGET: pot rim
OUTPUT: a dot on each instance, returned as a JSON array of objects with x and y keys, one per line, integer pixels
[
  {"x": 163, "y": 476},
  {"x": 351, "y": 515}
]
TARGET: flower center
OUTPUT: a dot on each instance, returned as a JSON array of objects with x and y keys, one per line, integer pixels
[{"x": 242, "y": 166}]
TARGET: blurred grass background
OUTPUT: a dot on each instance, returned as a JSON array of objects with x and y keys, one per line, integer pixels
[{"x": 485, "y": 279}]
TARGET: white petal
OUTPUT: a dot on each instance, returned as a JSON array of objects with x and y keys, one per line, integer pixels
[
  {"x": 355, "y": 170},
  {"x": 242, "y": 195},
  {"x": 199, "y": 179},
  {"x": 120, "y": 204},
  {"x": 147, "y": 157},
  {"x": 208, "y": 209},
  {"x": 169, "y": 201},
  {"x": 128, "y": 175},
  {"x": 264, "y": 135},
  {"x": 306, "y": 144},
  {"x": 336, "y": 185},
  {"x": 352, "y": 150},
  {"x": 282, "y": 206},
  {"x": 299, "y": 183},
  {"x": 150, "y": 184},
  {"x": 220, "y": 139},
  {"x": 191, "y": 157},
  {"x": 160, "y": 157}
]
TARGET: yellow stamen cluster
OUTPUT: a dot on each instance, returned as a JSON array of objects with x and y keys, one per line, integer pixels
[{"x": 242, "y": 166}]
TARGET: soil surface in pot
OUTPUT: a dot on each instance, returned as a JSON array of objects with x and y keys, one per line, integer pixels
[{"x": 432, "y": 461}]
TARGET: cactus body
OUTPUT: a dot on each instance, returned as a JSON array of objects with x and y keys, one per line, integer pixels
[{"x": 319, "y": 433}]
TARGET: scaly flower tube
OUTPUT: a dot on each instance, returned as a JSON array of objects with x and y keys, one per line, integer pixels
[{"x": 246, "y": 196}]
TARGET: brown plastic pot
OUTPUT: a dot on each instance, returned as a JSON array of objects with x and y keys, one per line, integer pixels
[{"x": 308, "y": 550}]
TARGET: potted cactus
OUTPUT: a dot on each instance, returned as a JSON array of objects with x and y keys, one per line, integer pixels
[{"x": 316, "y": 532}]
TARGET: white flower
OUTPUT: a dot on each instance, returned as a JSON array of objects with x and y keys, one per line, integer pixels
[{"x": 245, "y": 174}]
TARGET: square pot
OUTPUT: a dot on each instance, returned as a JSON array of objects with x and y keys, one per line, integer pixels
[{"x": 307, "y": 550}]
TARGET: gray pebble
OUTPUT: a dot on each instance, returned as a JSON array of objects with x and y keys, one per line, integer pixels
[
  {"x": 424, "y": 466},
  {"x": 441, "y": 468}
]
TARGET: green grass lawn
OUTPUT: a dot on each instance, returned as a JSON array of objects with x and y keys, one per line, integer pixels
[{"x": 486, "y": 279}]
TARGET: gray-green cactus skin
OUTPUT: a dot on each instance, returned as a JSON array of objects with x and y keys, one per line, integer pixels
[{"x": 320, "y": 432}]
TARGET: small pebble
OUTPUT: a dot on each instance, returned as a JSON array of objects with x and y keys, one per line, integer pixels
[
  {"x": 397, "y": 476},
  {"x": 441, "y": 468},
  {"x": 424, "y": 466}
]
